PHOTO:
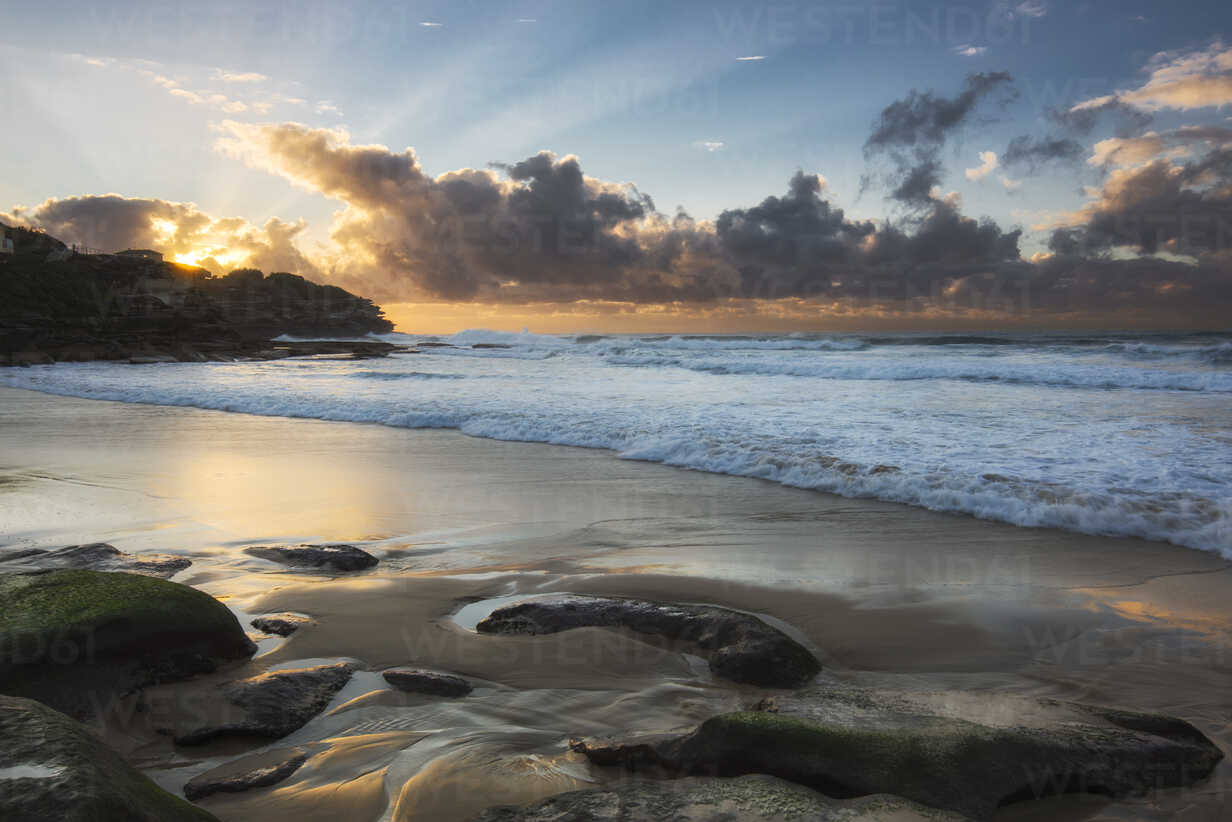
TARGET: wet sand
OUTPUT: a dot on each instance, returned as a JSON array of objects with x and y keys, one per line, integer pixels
[{"x": 885, "y": 594}]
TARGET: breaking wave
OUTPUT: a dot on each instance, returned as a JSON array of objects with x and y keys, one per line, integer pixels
[{"x": 1098, "y": 434}]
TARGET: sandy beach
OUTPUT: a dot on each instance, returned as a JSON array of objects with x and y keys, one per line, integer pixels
[{"x": 884, "y": 594}]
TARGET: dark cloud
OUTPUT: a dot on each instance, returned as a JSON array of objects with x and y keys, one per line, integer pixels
[
  {"x": 916, "y": 183},
  {"x": 1160, "y": 206},
  {"x": 799, "y": 228},
  {"x": 947, "y": 237},
  {"x": 1034, "y": 152},
  {"x": 1133, "y": 291},
  {"x": 541, "y": 231},
  {"x": 911, "y": 133},
  {"x": 924, "y": 119},
  {"x": 110, "y": 222}
]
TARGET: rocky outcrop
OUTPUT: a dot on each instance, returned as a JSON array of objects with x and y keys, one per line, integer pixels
[
  {"x": 75, "y": 638},
  {"x": 99, "y": 556},
  {"x": 427, "y": 682},
  {"x": 280, "y": 624},
  {"x": 752, "y": 798},
  {"x": 271, "y": 705},
  {"x": 740, "y": 647},
  {"x": 71, "y": 306},
  {"x": 52, "y": 768},
  {"x": 965, "y": 752},
  {"x": 237, "y": 777},
  {"x": 333, "y": 557}
]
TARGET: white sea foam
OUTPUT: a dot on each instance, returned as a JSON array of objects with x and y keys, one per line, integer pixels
[{"x": 1100, "y": 435}]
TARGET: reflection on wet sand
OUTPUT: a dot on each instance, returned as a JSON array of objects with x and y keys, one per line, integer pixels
[{"x": 888, "y": 596}]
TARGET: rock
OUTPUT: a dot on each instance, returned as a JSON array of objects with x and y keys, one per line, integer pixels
[
  {"x": 100, "y": 556},
  {"x": 273, "y": 704},
  {"x": 52, "y": 768},
  {"x": 427, "y": 682},
  {"x": 965, "y": 752},
  {"x": 152, "y": 359},
  {"x": 74, "y": 638},
  {"x": 358, "y": 349},
  {"x": 753, "y": 798},
  {"x": 21, "y": 553},
  {"x": 237, "y": 777},
  {"x": 740, "y": 647},
  {"x": 280, "y": 624},
  {"x": 272, "y": 354},
  {"x": 338, "y": 557}
]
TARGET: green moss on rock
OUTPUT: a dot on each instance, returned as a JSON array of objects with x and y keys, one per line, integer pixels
[
  {"x": 111, "y": 612},
  {"x": 964, "y": 752},
  {"x": 68, "y": 637}
]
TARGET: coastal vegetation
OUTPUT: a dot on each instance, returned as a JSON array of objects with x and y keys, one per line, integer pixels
[{"x": 60, "y": 303}]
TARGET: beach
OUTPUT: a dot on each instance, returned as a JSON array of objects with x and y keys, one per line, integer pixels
[{"x": 884, "y": 594}]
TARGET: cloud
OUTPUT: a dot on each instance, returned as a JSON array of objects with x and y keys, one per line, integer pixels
[
  {"x": 1010, "y": 185},
  {"x": 1031, "y": 8},
  {"x": 540, "y": 232},
  {"x": 1180, "y": 142},
  {"x": 1159, "y": 206},
  {"x": 1035, "y": 152},
  {"x": 539, "y": 223},
  {"x": 239, "y": 77},
  {"x": 925, "y": 119},
  {"x": 709, "y": 145},
  {"x": 968, "y": 50},
  {"x": 111, "y": 222},
  {"x": 912, "y": 131},
  {"x": 1015, "y": 11},
  {"x": 1181, "y": 80},
  {"x": 988, "y": 164},
  {"x": 241, "y": 91},
  {"x": 428, "y": 24},
  {"x": 752, "y": 58},
  {"x": 96, "y": 62},
  {"x": 1084, "y": 117}
]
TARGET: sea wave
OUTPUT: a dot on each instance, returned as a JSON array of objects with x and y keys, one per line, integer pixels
[
  {"x": 1056, "y": 374},
  {"x": 1026, "y": 438},
  {"x": 405, "y": 375}
]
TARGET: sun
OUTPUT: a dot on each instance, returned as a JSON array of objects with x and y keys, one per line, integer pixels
[{"x": 216, "y": 259}]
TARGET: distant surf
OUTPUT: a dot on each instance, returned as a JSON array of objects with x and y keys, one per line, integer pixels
[{"x": 1119, "y": 434}]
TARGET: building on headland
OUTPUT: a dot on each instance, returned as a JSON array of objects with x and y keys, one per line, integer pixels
[
  {"x": 6, "y": 243},
  {"x": 142, "y": 253}
]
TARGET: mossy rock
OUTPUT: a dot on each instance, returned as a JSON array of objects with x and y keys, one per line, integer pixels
[
  {"x": 969, "y": 753},
  {"x": 56, "y": 769},
  {"x": 753, "y": 798},
  {"x": 70, "y": 638}
]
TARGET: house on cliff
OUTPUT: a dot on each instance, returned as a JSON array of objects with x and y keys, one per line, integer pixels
[{"x": 142, "y": 254}]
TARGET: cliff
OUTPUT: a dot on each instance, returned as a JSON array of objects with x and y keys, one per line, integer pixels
[{"x": 58, "y": 304}]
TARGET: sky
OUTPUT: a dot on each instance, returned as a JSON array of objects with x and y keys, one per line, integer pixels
[{"x": 649, "y": 166}]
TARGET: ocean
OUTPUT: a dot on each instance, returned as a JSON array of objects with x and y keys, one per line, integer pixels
[{"x": 1118, "y": 434}]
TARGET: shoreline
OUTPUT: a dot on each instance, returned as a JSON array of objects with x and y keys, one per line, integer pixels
[
  {"x": 888, "y": 594},
  {"x": 1042, "y": 517}
]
